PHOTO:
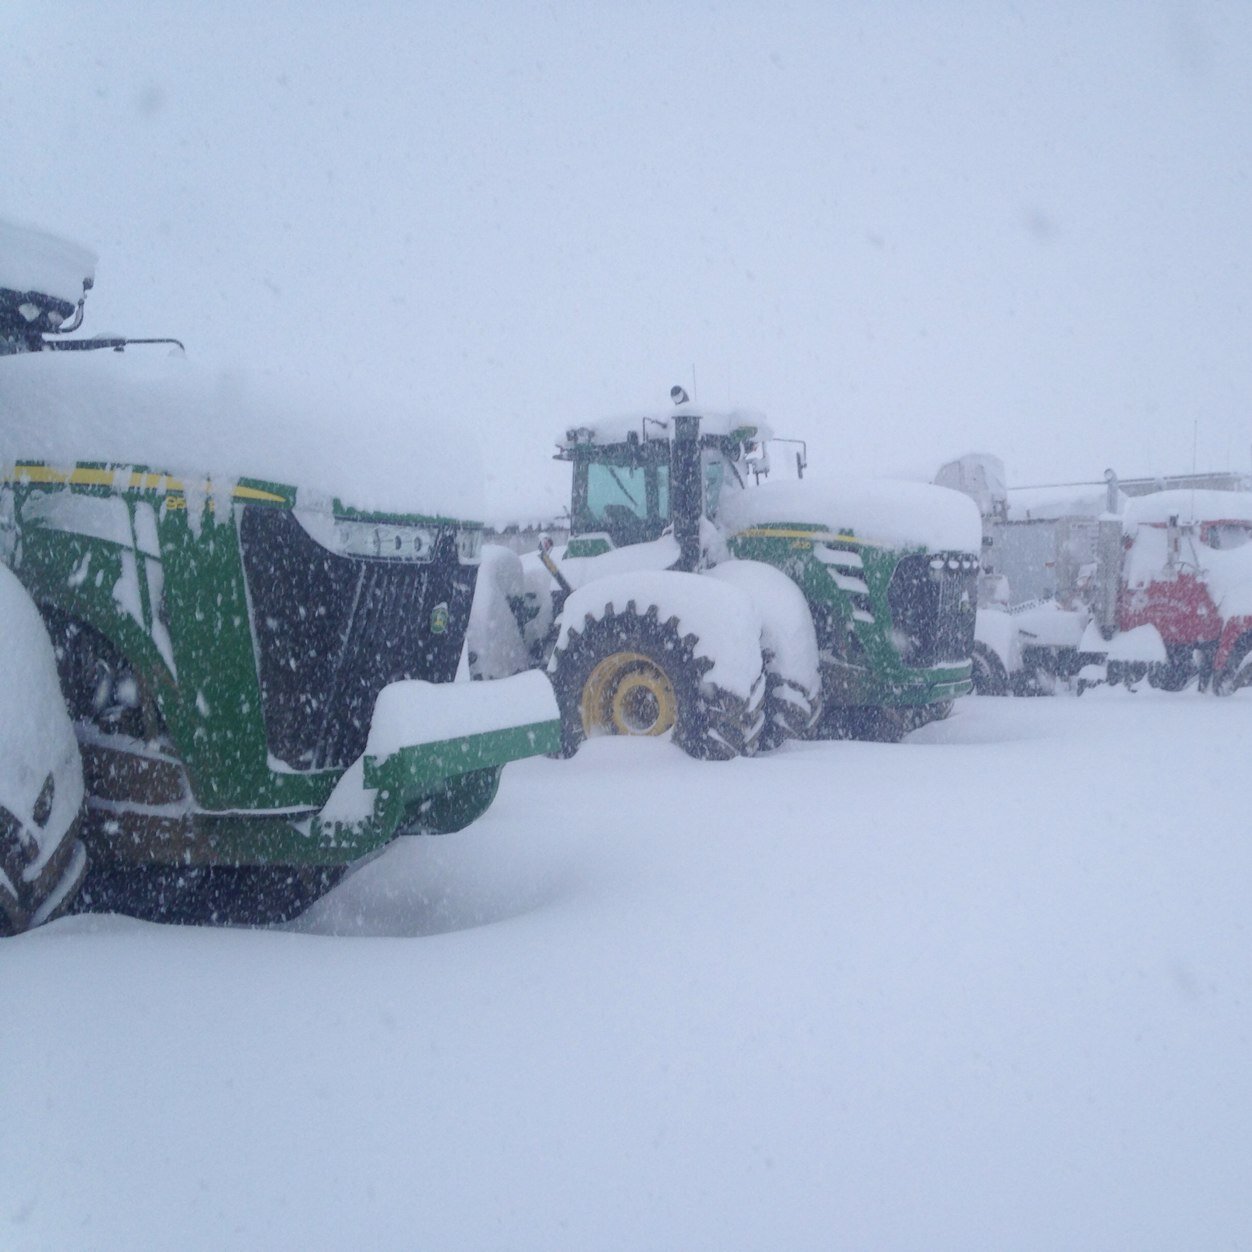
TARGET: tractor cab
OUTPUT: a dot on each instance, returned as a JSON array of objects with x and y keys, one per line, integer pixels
[
  {"x": 44, "y": 281},
  {"x": 634, "y": 478}
]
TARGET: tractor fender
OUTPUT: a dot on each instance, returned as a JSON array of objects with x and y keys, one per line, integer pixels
[
  {"x": 995, "y": 629},
  {"x": 495, "y": 646},
  {"x": 788, "y": 636}
]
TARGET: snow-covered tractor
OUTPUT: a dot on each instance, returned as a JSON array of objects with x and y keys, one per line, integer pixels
[
  {"x": 1180, "y": 594},
  {"x": 694, "y": 597},
  {"x": 259, "y": 676},
  {"x": 1154, "y": 586}
]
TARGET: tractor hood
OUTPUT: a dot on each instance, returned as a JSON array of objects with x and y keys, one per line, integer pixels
[
  {"x": 332, "y": 436},
  {"x": 887, "y": 513}
]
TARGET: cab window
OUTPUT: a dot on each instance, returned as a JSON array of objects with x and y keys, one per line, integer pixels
[{"x": 631, "y": 503}]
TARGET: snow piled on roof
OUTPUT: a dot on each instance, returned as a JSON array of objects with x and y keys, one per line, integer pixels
[
  {"x": 660, "y": 426},
  {"x": 1050, "y": 504},
  {"x": 325, "y": 435},
  {"x": 32, "y": 260},
  {"x": 892, "y": 513},
  {"x": 1189, "y": 506},
  {"x": 979, "y": 475}
]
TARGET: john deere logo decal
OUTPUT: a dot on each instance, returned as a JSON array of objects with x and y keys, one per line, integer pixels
[{"x": 439, "y": 618}]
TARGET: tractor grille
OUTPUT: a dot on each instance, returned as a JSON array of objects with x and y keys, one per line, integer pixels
[
  {"x": 932, "y": 600},
  {"x": 333, "y": 630}
]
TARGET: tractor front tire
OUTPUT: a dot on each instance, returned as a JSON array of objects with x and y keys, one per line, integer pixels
[
  {"x": 790, "y": 711},
  {"x": 630, "y": 673},
  {"x": 25, "y": 903},
  {"x": 1237, "y": 676},
  {"x": 988, "y": 672}
]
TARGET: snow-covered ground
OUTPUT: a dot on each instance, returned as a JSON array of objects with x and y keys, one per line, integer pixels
[{"x": 989, "y": 988}]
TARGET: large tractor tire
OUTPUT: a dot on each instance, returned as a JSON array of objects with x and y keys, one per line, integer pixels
[
  {"x": 632, "y": 673},
  {"x": 988, "y": 672},
  {"x": 1237, "y": 676},
  {"x": 791, "y": 710},
  {"x": 1175, "y": 673},
  {"x": 26, "y": 902}
]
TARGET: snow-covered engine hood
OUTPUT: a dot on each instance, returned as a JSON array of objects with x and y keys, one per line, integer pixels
[
  {"x": 890, "y": 513},
  {"x": 142, "y": 407}
]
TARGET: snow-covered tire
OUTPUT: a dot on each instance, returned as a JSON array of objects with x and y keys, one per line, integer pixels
[
  {"x": 1173, "y": 674},
  {"x": 26, "y": 902},
  {"x": 988, "y": 672},
  {"x": 793, "y": 681},
  {"x": 1237, "y": 676},
  {"x": 791, "y": 711},
  {"x": 633, "y": 672}
]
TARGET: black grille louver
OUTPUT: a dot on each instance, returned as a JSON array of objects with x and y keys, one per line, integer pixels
[
  {"x": 333, "y": 630},
  {"x": 932, "y": 600}
]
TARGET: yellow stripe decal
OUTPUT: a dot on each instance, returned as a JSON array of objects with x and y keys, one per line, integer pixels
[
  {"x": 781, "y": 532},
  {"x": 134, "y": 481}
]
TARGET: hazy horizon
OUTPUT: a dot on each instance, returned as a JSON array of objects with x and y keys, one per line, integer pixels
[{"x": 904, "y": 231}]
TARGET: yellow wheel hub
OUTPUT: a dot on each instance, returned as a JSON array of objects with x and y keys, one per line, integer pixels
[{"x": 628, "y": 694}]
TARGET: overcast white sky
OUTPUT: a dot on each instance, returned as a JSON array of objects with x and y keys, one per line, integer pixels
[{"x": 905, "y": 231}]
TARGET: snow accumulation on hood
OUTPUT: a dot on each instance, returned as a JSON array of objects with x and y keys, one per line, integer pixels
[
  {"x": 319, "y": 434},
  {"x": 653, "y": 426},
  {"x": 36, "y": 738},
  {"x": 32, "y": 260},
  {"x": 892, "y": 513}
]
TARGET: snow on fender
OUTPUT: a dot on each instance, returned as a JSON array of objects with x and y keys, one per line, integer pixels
[
  {"x": 794, "y": 694},
  {"x": 494, "y": 645}
]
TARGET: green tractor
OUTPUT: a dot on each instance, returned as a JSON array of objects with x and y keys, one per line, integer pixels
[
  {"x": 694, "y": 596},
  {"x": 259, "y": 679}
]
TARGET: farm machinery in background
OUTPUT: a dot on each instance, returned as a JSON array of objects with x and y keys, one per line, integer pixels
[
  {"x": 695, "y": 596},
  {"x": 1089, "y": 584},
  {"x": 259, "y": 681}
]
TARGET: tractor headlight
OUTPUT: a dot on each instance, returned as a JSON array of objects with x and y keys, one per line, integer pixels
[
  {"x": 389, "y": 541},
  {"x": 386, "y": 540}
]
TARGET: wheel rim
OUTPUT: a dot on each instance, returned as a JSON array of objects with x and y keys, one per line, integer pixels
[{"x": 628, "y": 694}]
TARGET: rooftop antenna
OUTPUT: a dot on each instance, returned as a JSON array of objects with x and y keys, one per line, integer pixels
[
  {"x": 695, "y": 395},
  {"x": 1195, "y": 439}
]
